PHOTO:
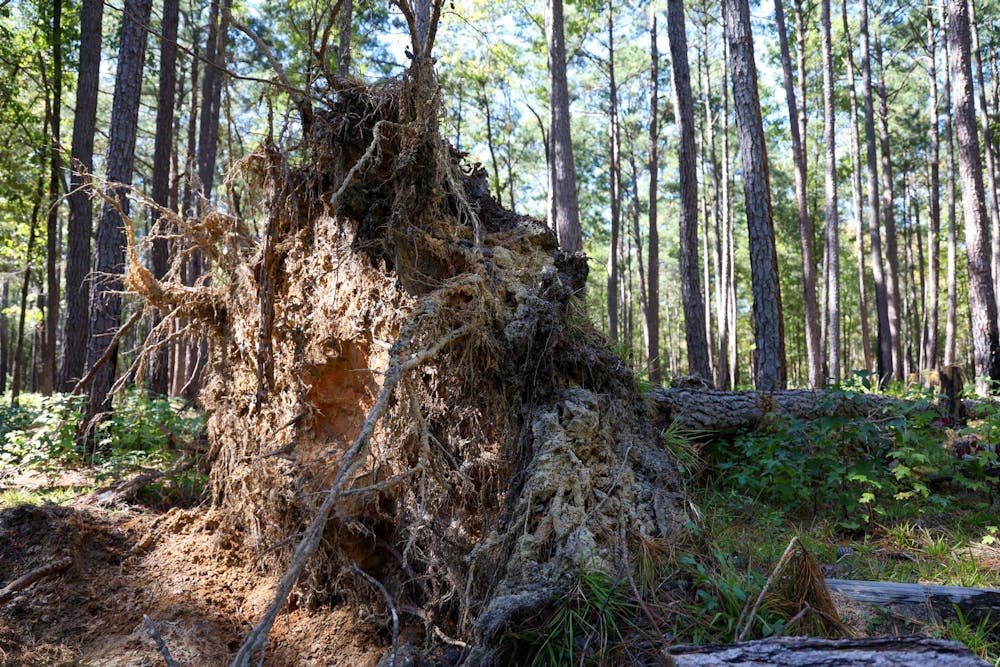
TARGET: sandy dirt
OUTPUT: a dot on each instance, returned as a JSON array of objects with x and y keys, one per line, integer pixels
[{"x": 127, "y": 562}]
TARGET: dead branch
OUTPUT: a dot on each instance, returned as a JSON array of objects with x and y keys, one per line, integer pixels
[
  {"x": 785, "y": 557},
  {"x": 108, "y": 352},
  {"x": 31, "y": 577},
  {"x": 160, "y": 644}
]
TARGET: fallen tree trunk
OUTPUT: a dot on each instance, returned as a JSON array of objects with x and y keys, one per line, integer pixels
[
  {"x": 816, "y": 652},
  {"x": 973, "y": 602},
  {"x": 714, "y": 412}
]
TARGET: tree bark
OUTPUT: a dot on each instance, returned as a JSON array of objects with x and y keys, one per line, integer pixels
[
  {"x": 81, "y": 213},
  {"x": 162, "y": 150},
  {"x": 652, "y": 310},
  {"x": 951, "y": 323},
  {"x": 931, "y": 321},
  {"x": 815, "y": 652},
  {"x": 48, "y": 377},
  {"x": 691, "y": 296},
  {"x": 616, "y": 181},
  {"x": 856, "y": 193},
  {"x": 344, "y": 45},
  {"x": 768, "y": 323},
  {"x": 109, "y": 258},
  {"x": 990, "y": 181},
  {"x": 832, "y": 222},
  {"x": 812, "y": 316},
  {"x": 564, "y": 209},
  {"x": 889, "y": 216},
  {"x": 885, "y": 357},
  {"x": 982, "y": 299},
  {"x": 4, "y": 337}
]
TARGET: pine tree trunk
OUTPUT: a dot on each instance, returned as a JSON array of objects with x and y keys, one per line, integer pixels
[
  {"x": 768, "y": 323},
  {"x": 564, "y": 210},
  {"x": 990, "y": 184},
  {"x": 889, "y": 217},
  {"x": 719, "y": 250},
  {"x": 931, "y": 323},
  {"x": 832, "y": 222},
  {"x": 727, "y": 220},
  {"x": 162, "y": 151},
  {"x": 694, "y": 307},
  {"x": 47, "y": 382},
  {"x": 109, "y": 256},
  {"x": 81, "y": 214},
  {"x": 951, "y": 319},
  {"x": 885, "y": 357},
  {"x": 616, "y": 182},
  {"x": 812, "y": 316},
  {"x": 4, "y": 337},
  {"x": 982, "y": 299},
  {"x": 17, "y": 382},
  {"x": 653, "y": 273},
  {"x": 856, "y": 193},
  {"x": 344, "y": 45}
]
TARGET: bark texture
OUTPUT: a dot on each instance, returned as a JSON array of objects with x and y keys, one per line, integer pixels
[
  {"x": 695, "y": 334},
  {"x": 81, "y": 213},
  {"x": 564, "y": 209},
  {"x": 768, "y": 319},
  {"x": 982, "y": 299},
  {"x": 109, "y": 258},
  {"x": 815, "y": 652}
]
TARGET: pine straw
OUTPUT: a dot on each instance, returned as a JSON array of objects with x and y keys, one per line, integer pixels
[{"x": 519, "y": 452}]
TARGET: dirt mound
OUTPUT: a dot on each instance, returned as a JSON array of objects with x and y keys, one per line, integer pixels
[
  {"x": 200, "y": 598},
  {"x": 403, "y": 369}
]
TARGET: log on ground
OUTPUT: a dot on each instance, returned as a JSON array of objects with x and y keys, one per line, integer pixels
[{"x": 816, "y": 652}]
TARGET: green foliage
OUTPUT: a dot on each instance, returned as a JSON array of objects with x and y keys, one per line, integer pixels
[
  {"x": 982, "y": 637},
  {"x": 587, "y": 626},
  {"x": 861, "y": 470},
  {"x": 42, "y": 435}
]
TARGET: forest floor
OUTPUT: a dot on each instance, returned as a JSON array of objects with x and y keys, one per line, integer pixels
[{"x": 128, "y": 561}]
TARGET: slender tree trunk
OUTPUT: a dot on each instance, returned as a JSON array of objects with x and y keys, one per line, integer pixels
[
  {"x": 109, "y": 258},
  {"x": 162, "y": 150},
  {"x": 4, "y": 337},
  {"x": 719, "y": 259},
  {"x": 951, "y": 319},
  {"x": 81, "y": 214},
  {"x": 727, "y": 219},
  {"x": 832, "y": 222},
  {"x": 991, "y": 185},
  {"x": 856, "y": 193},
  {"x": 653, "y": 273},
  {"x": 982, "y": 299},
  {"x": 706, "y": 261},
  {"x": 564, "y": 210},
  {"x": 796, "y": 121},
  {"x": 768, "y": 322},
  {"x": 694, "y": 307},
  {"x": 889, "y": 216},
  {"x": 931, "y": 323},
  {"x": 344, "y": 46},
  {"x": 47, "y": 382},
  {"x": 616, "y": 181},
  {"x": 17, "y": 382},
  {"x": 885, "y": 361}
]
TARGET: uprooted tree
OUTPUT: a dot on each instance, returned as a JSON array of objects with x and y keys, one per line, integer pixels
[{"x": 403, "y": 383}]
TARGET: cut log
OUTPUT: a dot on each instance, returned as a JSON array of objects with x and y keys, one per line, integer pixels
[
  {"x": 973, "y": 602},
  {"x": 714, "y": 412},
  {"x": 815, "y": 652}
]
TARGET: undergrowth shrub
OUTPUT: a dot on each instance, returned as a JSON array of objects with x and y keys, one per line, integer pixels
[
  {"x": 858, "y": 471},
  {"x": 42, "y": 434}
]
